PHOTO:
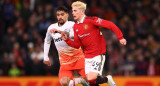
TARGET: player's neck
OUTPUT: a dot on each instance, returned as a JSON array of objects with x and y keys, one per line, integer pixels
[
  {"x": 60, "y": 25},
  {"x": 81, "y": 17}
]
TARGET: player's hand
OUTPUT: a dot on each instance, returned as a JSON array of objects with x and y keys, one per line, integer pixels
[
  {"x": 54, "y": 31},
  {"x": 123, "y": 41},
  {"x": 48, "y": 63},
  {"x": 64, "y": 36}
]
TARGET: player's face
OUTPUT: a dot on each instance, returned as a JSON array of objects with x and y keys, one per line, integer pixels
[
  {"x": 62, "y": 17},
  {"x": 76, "y": 13}
]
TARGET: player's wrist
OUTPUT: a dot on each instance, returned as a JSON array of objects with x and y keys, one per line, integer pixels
[
  {"x": 46, "y": 59},
  {"x": 59, "y": 31},
  {"x": 121, "y": 38},
  {"x": 67, "y": 39}
]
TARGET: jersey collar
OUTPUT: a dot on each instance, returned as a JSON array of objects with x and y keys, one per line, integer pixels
[{"x": 81, "y": 20}]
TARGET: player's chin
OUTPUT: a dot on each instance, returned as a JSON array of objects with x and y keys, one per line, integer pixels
[
  {"x": 75, "y": 18},
  {"x": 61, "y": 22}
]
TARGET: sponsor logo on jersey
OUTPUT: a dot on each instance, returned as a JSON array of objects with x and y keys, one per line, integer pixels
[
  {"x": 99, "y": 20},
  {"x": 57, "y": 39},
  {"x": 83, "y": 35}
]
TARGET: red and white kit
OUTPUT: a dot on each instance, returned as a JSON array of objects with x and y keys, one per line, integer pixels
[{"x": 88, "y": 35}]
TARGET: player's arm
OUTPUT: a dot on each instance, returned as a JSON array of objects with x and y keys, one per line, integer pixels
[
  {"x": 109, "y": 25},
  {"x": 76, "y": 43},
  {"x": 47, "y": 43},
  {"x": 53, "y": 30},
  {"x": 69, "y": 31}
]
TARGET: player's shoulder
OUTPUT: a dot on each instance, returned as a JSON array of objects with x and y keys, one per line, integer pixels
[
  {"x": 71, "y": 22},
  {"x": 91, "y": 17},
  {"x": 52, "y": 26}
]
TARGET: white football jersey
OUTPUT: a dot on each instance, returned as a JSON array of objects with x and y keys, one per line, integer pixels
[{"x": 67, "y": 54}]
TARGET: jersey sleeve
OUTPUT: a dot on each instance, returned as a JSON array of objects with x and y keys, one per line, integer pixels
[
  {"x": 75, "y": 43},
  {"x": 47, "y": 43},
  {"x": 71, "y": 32},
  {"x": 108, "y": 25}
]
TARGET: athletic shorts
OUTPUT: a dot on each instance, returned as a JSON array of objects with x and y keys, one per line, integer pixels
[
  {"x": 68, "y": 70},
  {"x": 94, "y": 64}
]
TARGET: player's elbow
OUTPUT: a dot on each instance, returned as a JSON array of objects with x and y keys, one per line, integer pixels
[
  {"x": 77, "y": 46},
  {"x": 74, "y": 45}
]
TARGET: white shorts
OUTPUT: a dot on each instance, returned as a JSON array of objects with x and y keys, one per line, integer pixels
[{"x": 94, "y": 64}]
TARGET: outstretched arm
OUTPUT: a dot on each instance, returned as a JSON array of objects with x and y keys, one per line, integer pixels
[
  {"x": 65, "y": 36},
  {"x": 47, "y": 43},
  {"x": 76, "y": 43},
  {"x": 110, "y": 25}
]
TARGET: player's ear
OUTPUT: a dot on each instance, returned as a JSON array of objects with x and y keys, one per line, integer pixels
[
  {"x": 67, "y": 14},
  {"x": 82, "y": 11}
]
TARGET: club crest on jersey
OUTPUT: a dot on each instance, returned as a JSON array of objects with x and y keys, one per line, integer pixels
[{"x": 85, "y": 26}]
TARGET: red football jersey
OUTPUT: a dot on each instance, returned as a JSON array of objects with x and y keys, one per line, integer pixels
[{"x": 87, "y": 35}]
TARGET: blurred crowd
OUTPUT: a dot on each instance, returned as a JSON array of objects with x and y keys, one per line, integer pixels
[{"x": 23, "y": 25}]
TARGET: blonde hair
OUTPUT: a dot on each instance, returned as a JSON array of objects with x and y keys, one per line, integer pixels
[{"x": 79, "y": 5}]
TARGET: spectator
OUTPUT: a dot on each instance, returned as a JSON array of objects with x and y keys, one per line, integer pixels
[
  {"x": 25, "y": 11},
  {"x": 14, "y": 71},
  {"x": 38, "y": 54},
  {"x": 151, "y": 67},
  {"x": 129, "y": 66},
  {"x": 140, "y": 66}
]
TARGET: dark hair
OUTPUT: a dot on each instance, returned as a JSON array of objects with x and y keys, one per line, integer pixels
[{"x": 62, "y": 8}]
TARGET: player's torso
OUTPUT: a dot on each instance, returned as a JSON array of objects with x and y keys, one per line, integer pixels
[
  {"x": 67, "y": 27},
  {"x": 57, "y": 38},
  {"x": 66, "y": 53},
  {"x": 87, "y": 32},
  {"x": 90, "y": 35}
]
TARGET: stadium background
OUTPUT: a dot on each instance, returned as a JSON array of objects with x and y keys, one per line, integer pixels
[{"x": 23, "y": 24}]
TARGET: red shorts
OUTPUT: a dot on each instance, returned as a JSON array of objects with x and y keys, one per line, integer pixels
[{"x": 68, "y": 70}]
